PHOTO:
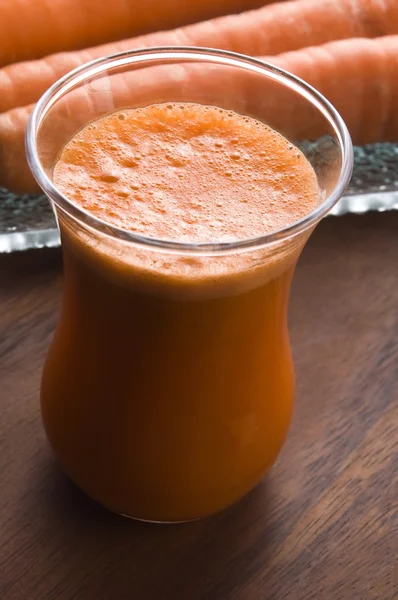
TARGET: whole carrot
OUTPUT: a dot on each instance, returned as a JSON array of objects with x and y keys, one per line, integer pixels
[
  {"x": 358, "y": 76},
  {"x": 270, "y": 30},
  {"x": 35, "y": 28}
]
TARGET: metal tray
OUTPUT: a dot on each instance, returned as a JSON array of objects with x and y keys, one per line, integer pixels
[{"x": 28, "y": 221}]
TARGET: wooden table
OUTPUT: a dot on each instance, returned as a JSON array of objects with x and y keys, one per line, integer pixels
[{"x": 322, "y": 524}]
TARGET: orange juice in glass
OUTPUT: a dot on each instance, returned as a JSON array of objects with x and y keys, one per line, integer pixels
[{"x": 185, "y": 190}]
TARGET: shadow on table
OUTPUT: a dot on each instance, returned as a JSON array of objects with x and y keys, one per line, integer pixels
[{"x": 103, "y": 552}]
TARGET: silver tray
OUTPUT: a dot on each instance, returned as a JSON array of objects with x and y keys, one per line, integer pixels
[{"x": 28, "y": 221}]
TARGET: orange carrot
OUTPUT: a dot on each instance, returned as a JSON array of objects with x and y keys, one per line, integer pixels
[
  {"x": 358, "y": 76},
  {"x": 35, "y": 28},
  {"x": 270, "y": 30}
]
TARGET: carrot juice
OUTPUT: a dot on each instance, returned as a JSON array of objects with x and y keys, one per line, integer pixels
[{"x": 168, "y": 389}]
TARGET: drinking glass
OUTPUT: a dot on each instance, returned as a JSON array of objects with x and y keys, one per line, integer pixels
[{"x": 168, "y": 388}]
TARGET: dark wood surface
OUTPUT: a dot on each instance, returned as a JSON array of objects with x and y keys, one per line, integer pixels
[{"x": 322, "y": 526}]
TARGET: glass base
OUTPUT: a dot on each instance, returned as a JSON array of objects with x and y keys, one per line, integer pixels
[{"x": 153, "y": 521}]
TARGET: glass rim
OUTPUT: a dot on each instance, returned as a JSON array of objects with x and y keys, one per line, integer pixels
[{"x": 169, "y": 54}]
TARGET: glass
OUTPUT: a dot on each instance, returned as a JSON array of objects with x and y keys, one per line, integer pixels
[{"x": 168, "y": 389}]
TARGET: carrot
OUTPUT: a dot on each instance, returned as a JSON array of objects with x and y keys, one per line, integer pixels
[
  {"x": 270, "y": 30},
  {"x": 36, "y": 28},
  {"x": 357, "y": 75}
]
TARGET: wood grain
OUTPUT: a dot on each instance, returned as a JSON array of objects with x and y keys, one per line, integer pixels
[{"x": 324, "y": 523}]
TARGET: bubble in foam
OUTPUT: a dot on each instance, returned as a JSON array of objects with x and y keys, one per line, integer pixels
[
  {"x": 110, "y": 177},
  {"x": 130, "y": 162},
  {"x": 177, "y": 160}
]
